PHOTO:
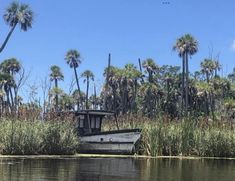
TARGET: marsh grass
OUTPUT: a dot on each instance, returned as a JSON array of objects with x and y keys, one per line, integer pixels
[
  {"x": 189, "y": 137},
  {"x": 27, "y": 138}
]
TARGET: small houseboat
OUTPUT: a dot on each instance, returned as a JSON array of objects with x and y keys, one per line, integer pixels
[{"x": 93, "y": 140}]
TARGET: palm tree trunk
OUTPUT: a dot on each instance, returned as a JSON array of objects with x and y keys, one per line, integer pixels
[
  {"x": 168, "y": 91},
  {"x": 2, "y": 106},
  {"x": 209, "y": 102},
  {"x": 8, "y": 99},
  {"x": 135, "y": 95},
  {"x": 207, "y": 77},
  {"x": 95, "y": 99},
  {"x": 87, "y": 89},
  {"x": 56, "y": 96},
  {"x": 8, "y": 37},
  {"x": 186, "y": 83},
  {"x": 114, "y": 100},
  {"x": 140, "y": 67},
  {"x": 124, "y": 96},
  {"x": 182, "y": 91},
  {"x": 16, "y": 101},
  {"x": 150, "y": 77},
  {"x": 12, "y": 100},
  {"x": 79, "y": 90}
]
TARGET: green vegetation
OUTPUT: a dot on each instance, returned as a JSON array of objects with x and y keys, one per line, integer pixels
[
  {"x": 183, "y": 138},
  {"x": 153, "y": 90},
  {"x": 29, "y": 138},
  {"x": 164, "y": 97}
]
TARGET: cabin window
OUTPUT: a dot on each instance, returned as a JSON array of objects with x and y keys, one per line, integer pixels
[
  {"x": 92, "y": 122},
  {"x": 81, "y": 121},
  {"x": 97, "y": 122},
  {"x": 81, "y": 116}
]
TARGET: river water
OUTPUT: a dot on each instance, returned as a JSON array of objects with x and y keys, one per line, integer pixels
[{"x": 116, "y": 169}]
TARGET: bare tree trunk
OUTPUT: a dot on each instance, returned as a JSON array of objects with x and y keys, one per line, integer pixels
[{"x": 107, "y": 82}]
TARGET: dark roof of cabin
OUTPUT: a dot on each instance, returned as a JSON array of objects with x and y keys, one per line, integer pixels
[{"x": 94, "y": 112}]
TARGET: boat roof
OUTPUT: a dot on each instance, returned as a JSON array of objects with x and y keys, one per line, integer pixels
[{"x": 95, "y": 112}]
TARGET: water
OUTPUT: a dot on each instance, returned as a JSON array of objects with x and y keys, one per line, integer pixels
[{"x": 115, "y": 169}]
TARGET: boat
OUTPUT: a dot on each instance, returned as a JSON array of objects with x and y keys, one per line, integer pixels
[{"x": 93, "y": 140}]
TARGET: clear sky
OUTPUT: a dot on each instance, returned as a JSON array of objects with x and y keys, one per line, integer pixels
[{"x": 128, "y": 29}]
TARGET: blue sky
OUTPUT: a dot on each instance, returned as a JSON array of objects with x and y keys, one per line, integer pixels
[{"x": 128, "y": 29}]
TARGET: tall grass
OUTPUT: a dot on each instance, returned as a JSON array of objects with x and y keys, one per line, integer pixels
[
  {"x": 159, "y": 138},
  {"x": 20, "y": 137},
  {"x": 182, "y": 137}
]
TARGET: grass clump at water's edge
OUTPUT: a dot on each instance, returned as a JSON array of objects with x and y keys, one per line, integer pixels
[
  {"x": 182, "y": 138},
  {"x": 29, "y": 138}
]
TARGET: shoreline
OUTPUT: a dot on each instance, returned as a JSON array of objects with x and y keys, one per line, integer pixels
[{"x": 111, "y": 156}]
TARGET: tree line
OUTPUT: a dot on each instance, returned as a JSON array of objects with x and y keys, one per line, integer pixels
[{"x": 148, "y": 89}]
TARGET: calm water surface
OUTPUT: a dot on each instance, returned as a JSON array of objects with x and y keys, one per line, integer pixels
[{"x": 116, "y": 169}]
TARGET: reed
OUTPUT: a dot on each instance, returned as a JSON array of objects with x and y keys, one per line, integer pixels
[
  {"x": 187, "y": 137},
  {"x": 27, "y": 138}
]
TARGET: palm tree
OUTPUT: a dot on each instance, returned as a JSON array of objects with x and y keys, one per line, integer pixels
[
  {"x": 12, "y": 66},
  {"x": 148, "y": 93},
  {"x": 185, "y": 46},
  {"x": 217, "y": 67},
  {"x": 150, "y": 67},
  {"x": 110, "y": 89},
  {"x": 208, "y": 67},
  {"x": 73, "y": 59},
  {"x": 66, "y": 102},
  {"x": 7, "y": 82},
  {"x": 132, "y": 76},
  {"x": 87, "y": 75},
  {"x": 17, "y": 14},
  {"x": 56, "y": 75}
]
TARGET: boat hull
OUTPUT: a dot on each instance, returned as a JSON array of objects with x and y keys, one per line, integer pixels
[{"x": 110, "y": 142}]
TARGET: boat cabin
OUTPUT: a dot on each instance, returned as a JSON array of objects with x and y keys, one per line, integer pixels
[{"x": 90, "y": 121}]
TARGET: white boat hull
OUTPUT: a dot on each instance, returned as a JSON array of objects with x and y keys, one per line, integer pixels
[{"x": 118, "y": 142}]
